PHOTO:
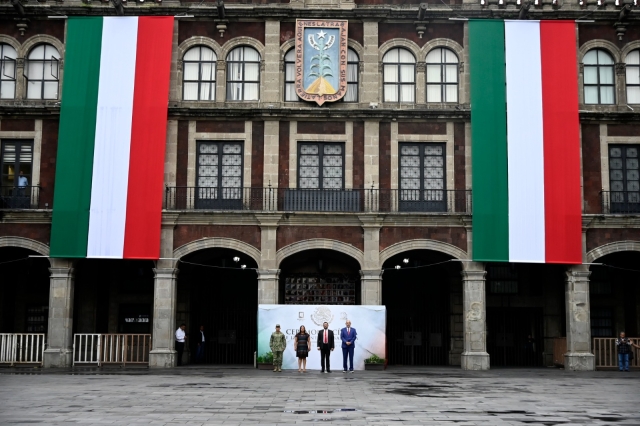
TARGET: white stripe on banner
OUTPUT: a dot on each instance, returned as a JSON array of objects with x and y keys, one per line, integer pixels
[
  {"x": 525, "y": 141},
  {"x": 113, "y": 138}
]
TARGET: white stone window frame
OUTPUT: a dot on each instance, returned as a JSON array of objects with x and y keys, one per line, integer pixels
[
  {"x": 177, "y": 86},
  {"x": 352, "y": 44},
  {"x": 295, "y": 137},
  {"x": 445, "y": 43},
  {"x": 192, "y": 155},
  {"x": 34, "y": 136},
  {"x": 619, "y": 86},
  {"x": 628, "y": 48},
  {"x": 447, "y": 139}
]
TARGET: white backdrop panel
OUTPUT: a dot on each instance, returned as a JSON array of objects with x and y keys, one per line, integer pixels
[{"x": 369, "y": 321}]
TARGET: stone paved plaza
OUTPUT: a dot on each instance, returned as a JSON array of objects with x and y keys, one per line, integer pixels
[{"x": 238, "y": 396}]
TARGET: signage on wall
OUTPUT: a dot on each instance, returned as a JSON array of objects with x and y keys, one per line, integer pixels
[{"x": 321, "y": 60}]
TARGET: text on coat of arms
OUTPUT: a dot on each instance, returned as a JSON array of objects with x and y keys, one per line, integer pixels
[{"x": 321, "y": 60}]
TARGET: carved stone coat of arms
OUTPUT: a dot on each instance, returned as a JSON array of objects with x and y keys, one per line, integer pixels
[{"x": 321, "y": 60}]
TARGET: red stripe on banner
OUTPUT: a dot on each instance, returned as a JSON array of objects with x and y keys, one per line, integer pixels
[
  {"x": 148, "y": 137},
  {"x": 561, "y": 133}
]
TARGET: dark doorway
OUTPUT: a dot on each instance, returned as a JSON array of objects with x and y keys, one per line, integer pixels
[
  {"x": 24, "y": 291},
  {"x": 509, "y": 334},
  {"x": 418, "y": 301},
  {"x": 221, "y": 296}
]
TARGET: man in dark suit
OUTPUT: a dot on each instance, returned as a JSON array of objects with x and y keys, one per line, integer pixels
[
  {"x": 325, "y": 346},
  {"x": 348, "y": 336}
]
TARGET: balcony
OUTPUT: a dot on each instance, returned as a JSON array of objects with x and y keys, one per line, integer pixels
[
  {"x": 12, "y": 198},
  {"x": 318, "y": 200},
  {"x": 620, "y": 202}
]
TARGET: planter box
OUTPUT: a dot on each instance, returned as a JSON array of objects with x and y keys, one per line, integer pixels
[
  {"x": 374, "y": 367},
  {"x": 265, "y": 366}
]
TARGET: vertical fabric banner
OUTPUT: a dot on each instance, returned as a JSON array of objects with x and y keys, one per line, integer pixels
[
  {"x": 74, "y": 162},
  {"x": 489, "y": 141}
]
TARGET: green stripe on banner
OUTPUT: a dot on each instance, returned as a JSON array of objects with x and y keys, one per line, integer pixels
[
  {"x": 72, "y": 195},
  {"x": 489, "y": 141}
]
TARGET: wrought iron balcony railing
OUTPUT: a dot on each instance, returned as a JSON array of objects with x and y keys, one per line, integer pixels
[
  {"x": 620, "y": 202},
  {"x": 318, "y": 200},
  {"x": 12, "y": 198}
]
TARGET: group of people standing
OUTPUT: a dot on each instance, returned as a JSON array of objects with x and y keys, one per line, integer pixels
[{"x": 325, "y": 344}]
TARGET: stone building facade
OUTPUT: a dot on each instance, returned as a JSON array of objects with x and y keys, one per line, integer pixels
[{"x": 443, "y": 309}]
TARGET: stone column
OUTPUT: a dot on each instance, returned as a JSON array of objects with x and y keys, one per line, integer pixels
[
  {"x": 371, "y": 281},
  {"x": 370, "y": 75},
  {"x": 475, "y": 356},
  {"x": 271, "y": 79},
  {"x": 59, "y": 351},
  {"x": 270, "y": 170},
  {"x": 268, "y": 271},
  {"x": 163, "y": 354},
  {"x": 578, "y": 356}
]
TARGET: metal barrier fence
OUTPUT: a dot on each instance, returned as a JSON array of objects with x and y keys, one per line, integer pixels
[
  {"x": 606, "y": 353},
  {"x": 100, "y": 349},
  {"x": 12, "y": 197},
  {"x": 21, "y": 348}
]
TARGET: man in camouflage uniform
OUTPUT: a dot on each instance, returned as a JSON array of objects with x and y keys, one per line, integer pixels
[{"x": 278, "y": 344}]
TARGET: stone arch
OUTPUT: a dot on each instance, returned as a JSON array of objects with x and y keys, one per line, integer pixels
[
  {"x": 218, "y": 242},
  {"x": 285, "y": 47},
  {"x": 32, "y": 42},
  {"x": 611, "y": 248},
  {"x": 199, "y": 41},
  {"x": 439, "y": 246},
  {"x": 442, "y": 42},
  {"x": 320, "y": 243},
  {"x": 611, "y": 48},
  {"x": 406, "y": 44},
  {"x": 357, "y": 47},
  {"x": 26, "y": 243},
  {"x": 11, "y": 42},
  {"x": 242, "y": 41},
  {"x": 628, "y": 48}
]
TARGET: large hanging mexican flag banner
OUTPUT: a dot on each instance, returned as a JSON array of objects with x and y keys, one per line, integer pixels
[
  {"x": 111, "y": 143},
  {"x": 525, "y": 142}
]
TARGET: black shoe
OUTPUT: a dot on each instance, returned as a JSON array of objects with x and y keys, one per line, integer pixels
[
  {"x": 322, "y": 371},
  {"x": 328, "y": 371}
]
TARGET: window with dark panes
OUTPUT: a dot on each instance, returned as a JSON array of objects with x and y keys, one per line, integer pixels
[
  {"x": 321, "y": 166},
  {"x": 502, "y": 279},
  {"x": 422, "y": 176},
  {"x": 199, "y": 74},
  {"x": 219, "y": 176},
  {"x": 633, "y": 77},
  {"x": 16, "y": 158},
  {"x": 602, "y": 322},
  {"x": 599, "y": 78},
  {"x": 624, "y": 178},
  {"x": 8, "y": 57}
]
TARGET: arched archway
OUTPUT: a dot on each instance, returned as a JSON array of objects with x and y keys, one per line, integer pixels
[
  {"x": 24, "y": 286},
  {"x": 322, "y": 244}
]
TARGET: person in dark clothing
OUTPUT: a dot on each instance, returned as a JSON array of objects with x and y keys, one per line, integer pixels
[
  {"x": 201, "y": 342},
  {"x": 624, "y": 349},
  {"x": 325, "y": 346},
  {"x": 302, "y": 344}
]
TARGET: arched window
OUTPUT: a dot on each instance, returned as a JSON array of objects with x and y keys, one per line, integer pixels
[
  {"x": 290, "y": 76},
  {"x": 399, "y": 70},
  {"x": 199, "y": 74},
  {"x": 43, "y": 72},
  {"x": 633, "y": 77},
  {"x": 8, "y": 57},
  {"x": 353, "y": 65},
  {"x": 599, "y": 82},
  {"x": 442, "y": 76},
  {"x": 243, "y": 74}
]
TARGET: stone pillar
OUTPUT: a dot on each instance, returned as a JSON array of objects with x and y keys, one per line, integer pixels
[
  {"x": 163, "y": 354},
  {"x": 268, "y": 285},
  {"x": 370, "y": 75},
  {"x": 271, "y": 158},
  {"x": 475, "y": 356},
  {"x": 371, "y": 281},
  {"x": 578, "y": 311},
  {"x": 268, "y": 271},
  {"x": 59, "y": 351},
  {"x": 271, "y": 79}
]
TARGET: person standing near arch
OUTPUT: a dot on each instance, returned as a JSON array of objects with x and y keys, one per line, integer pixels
[{"x": 348, "y": 336}]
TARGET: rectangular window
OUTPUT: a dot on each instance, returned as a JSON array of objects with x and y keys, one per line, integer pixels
[
  {"x": 503, "y": 279},
  {"x": 602, "y": 322},
  {"x": 321, "y": 165},
  {"x": 219, "y": 175},
  {"x": 624, "y": 179},
  {"x": 422, "y": 177},
  {"x": 16, "y": 158}
]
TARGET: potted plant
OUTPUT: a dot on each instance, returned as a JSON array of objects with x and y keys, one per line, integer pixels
[
  {"x": 374, "y": 362},
  {"x": 265, "y": 362}
]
